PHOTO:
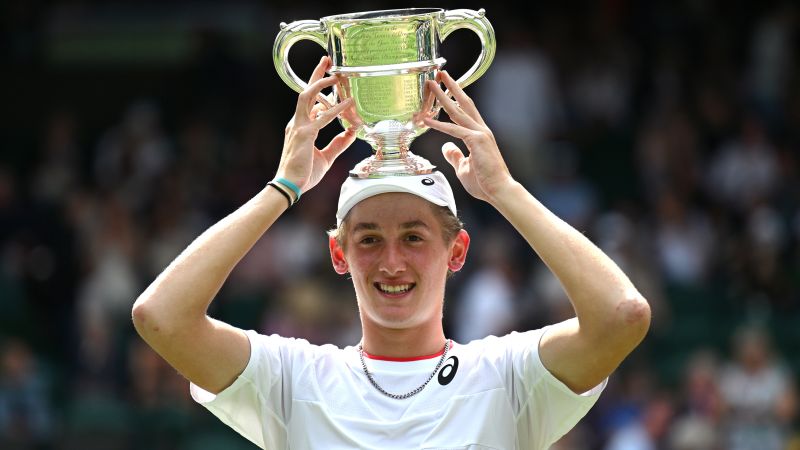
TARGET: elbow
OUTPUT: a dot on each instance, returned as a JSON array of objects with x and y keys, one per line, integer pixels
[
  {"x": 633, "y": 315},
  {"x": 145, "y": 319},
  {"x": 622, "y": 321},
  {"x": 157, "y": 320},
  {"x": 140, "y": 314}
]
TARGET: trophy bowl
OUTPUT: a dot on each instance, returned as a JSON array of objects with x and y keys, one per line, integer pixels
[{"x": 382, "y": 60}]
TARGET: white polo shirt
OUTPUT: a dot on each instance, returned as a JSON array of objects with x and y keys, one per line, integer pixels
[{"x": 492, "y": 393}]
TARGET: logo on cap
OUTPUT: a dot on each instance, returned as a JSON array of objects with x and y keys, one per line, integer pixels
[{"x": 427, "y": 181}]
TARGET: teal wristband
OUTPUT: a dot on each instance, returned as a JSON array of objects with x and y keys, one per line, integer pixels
[{"x": 291, "y": 186}]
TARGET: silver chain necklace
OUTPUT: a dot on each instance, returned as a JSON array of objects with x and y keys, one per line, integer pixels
[{"x": 407, "y": 394}]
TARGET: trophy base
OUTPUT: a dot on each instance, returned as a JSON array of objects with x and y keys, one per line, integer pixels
[{"x": 407, "y": 164}]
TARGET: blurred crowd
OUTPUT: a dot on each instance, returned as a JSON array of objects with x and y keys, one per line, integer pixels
[{"x": 667, "y": 131}]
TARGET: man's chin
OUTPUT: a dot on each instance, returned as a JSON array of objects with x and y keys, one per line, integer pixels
[{"x": 394, "y": 320}]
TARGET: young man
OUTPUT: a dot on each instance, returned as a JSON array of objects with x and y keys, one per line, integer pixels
[{"x": 405, "y": 385}]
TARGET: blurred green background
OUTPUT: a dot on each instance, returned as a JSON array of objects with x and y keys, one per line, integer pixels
[{"x": 666, "y": 131}]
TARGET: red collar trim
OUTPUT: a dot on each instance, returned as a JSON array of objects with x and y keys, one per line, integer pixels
[{"x": 414, "y": 358}]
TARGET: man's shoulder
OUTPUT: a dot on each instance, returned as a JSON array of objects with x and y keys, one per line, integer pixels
[
  {"x": 295, "y": 346},
  {"x": 511, "y": 339}
]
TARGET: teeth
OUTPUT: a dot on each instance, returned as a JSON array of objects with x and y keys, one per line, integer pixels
[{"x": 394, "y": 289}]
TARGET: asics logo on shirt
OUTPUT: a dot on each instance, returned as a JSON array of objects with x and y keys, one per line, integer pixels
[{"x": 448, "y": 371}]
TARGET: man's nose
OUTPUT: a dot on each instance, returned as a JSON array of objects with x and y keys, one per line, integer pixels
[{"x": 393, "y": 261}]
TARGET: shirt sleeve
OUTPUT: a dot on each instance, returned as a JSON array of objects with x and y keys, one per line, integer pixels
[
  {"x": 258, "y": 403},
  {"x": 546, "y": 408}
]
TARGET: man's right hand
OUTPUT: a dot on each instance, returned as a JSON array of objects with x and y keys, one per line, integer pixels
[{"x": 302, "y": 162}]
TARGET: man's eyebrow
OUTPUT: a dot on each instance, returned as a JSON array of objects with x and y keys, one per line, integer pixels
[
  {"x": 414, "y": 224},
  {"x": 365, "y": 226}
]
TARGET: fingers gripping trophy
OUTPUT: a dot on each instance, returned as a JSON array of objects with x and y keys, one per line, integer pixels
[{"x": 381, "y": 60}]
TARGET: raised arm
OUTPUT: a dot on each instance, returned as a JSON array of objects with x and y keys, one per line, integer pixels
[
  {"x": 170, "y": 314},
  {"x": 612, "y": 317}
]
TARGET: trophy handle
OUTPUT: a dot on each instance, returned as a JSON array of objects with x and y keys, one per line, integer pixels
[
  {"x": 312, "y": 30},
  {"x": 477, "y": 22}
]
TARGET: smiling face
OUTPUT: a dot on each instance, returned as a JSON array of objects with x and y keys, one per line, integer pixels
[{"x": 398, "y": 258}]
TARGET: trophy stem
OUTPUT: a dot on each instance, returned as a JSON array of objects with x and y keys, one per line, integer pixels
[
  {"x": 396, "y": 160},
  {"x": 390, "y": 152}
]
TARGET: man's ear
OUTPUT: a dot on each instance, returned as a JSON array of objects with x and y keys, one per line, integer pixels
[
  {"x": 337, "y": 257},
  {"x": 458, "y": 251}
]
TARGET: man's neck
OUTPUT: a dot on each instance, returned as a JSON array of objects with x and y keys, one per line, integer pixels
[{"x": 425, "y": 340}]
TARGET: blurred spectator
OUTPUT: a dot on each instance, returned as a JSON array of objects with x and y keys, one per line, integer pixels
[
  {"x": 301, "y": 310},
  {"x": 600, "y": 88},
  {"x": 108, "y": 289},
  {"x": 26, "y": 417},
  {"x": 525, "y": 116},
  {"x": 758, "y": 393},
  {"x": 159, "y": 399},
  {"x": 668, "y": 156},
  {"x": 97, "y": 362},
  {"x": 487, "y": 302},
  {"x": 716, "y": 112},
  {"x": 625, "y": 407},
  {"x": 111, "y": 284},
  {"x": 764, "y": 271},
  {"x": 645, "y": 432},
  {"x": 57, "y": 173},
  {"x": 696, "y": 426},
  {"x": 684, "y": 241},
  {"x": 562, "y": 189},
  {"x": 133, "y": 153},
  {"x": 772, "y": 46},
  {"x": 744, "y": 171},
  {"x": 13, "y": 305}
]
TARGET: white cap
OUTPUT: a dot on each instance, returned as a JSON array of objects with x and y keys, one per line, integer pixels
[{"x": 433, "y": 187}]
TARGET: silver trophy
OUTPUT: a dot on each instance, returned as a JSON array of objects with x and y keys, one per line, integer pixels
[{"x": 382, "y": 60}]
